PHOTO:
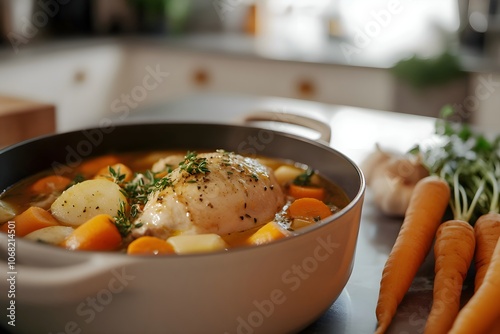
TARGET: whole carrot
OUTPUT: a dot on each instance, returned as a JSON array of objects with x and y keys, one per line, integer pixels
[
  {"x": 487, "y": 232},
  {"x": 453, "y": 250},
  {"x": 482, "y": 310},
  {"x": 425, "y": 211}
]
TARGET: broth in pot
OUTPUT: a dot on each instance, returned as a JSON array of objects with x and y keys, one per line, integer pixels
[{"x": 169, "y": 202}]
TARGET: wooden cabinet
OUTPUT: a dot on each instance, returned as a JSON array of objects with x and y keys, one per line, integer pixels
[{"x": 22, "y": 119}]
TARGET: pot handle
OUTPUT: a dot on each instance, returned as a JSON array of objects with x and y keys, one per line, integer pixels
[
  {"x": 73, "y": 279},
  {"x": 322, "y": 128}
]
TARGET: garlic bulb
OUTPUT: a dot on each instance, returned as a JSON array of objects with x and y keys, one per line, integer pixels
[
  {"x": 392, "y": 179},
  {"x": 376, "y": 160}
]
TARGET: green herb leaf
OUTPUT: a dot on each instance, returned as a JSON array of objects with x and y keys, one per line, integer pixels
[
  {"x": 469, "y": 162},
  {"x": 304, "y": 179},
  {"x": 116, "y": 176},
  {"x": 123, "y": 219},
  {"x": 193, "y": 164},
  {"x": 77, "y": 179},
  {"x": 137, "y": 192}
]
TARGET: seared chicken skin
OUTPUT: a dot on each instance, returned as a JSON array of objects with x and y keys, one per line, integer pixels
[{"x": 218, "y": 192}]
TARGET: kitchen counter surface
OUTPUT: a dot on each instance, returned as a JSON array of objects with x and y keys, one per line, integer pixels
[{"x": 355, "y": 132}]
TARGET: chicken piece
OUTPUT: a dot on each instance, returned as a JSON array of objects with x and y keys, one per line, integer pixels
[{"x": 218, "y": 192}]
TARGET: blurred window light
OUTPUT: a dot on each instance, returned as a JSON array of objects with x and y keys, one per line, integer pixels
[
  {"x": 380, "y": 31},
  {"x": 390, "y": 27}
]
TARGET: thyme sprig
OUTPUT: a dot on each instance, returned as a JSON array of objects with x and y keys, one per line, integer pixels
[
  {"x": 193, "y": 164},
  {"x": 124, "y": 218},
  {"x": 116, "y": 176},
  {"x": 142, "y": 185},
  {"x": 137, "y": 192}
]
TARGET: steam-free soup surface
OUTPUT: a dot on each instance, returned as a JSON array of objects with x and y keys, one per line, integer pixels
[{"x": 169, "y": 202}]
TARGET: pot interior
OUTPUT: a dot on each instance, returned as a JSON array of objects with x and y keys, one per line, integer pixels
[{"x": 55, "y": 151}]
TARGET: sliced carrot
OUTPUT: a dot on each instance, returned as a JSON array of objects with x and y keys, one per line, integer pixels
[
  {"x": 482, "y": 311},
  {"x": 426, "y": 208},
  {"x": 98, "y": 233},
  {"x": 50, "y": 184},
  {"x": 32, "y": 219},
  {"x": 297, "y": 191},
  {"x": 90, "y": 167},
  {"x": 311, "y": 208},
  {"x": 148, "y": 245},
  {"x": 119, "y": 168},
  {"x": 267, "y": 233},
  {"x": 487, "y": 231},
  {"x": 453, "y": 250}
]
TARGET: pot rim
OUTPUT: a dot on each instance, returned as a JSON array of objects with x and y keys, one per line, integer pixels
[{"x": 306, "y": 230}]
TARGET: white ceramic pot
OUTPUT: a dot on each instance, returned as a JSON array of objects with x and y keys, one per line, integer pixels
[{"x": 275, "y": 288}]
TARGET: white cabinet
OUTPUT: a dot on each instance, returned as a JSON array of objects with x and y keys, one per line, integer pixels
[
  {"x": 78, "y": 81},
  {"x": 211, "y": 72},
  {"x": 89, "y": 82}
]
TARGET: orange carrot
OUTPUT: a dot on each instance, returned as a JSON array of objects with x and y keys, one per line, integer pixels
[
  {"x": 118, "y": 168},
  {"x": 267, "y": 233},
  {"x": 425, "y": 211},
  {"x": 453, "y": 250},
  {"x": 148, "y": 245},
  {"x": 90, "y": 167},
  {"x": 487, "y": 232},
  {"x": 297, "y": 191},
  {"x": 50, "y": 184},
  {"x": 34, "y": 218},
  {"x": 309, "y": 208},
  {"x": 98, "y": 233},
  {"x": 482, "y": 311}
]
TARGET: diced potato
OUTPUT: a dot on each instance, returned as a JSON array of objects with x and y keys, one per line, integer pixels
[
  {"x": 87, "y": 199},
  {"x": 50, "y": 235},
  {"x": 285, "y": 174},
  {"x": 269, "y": 162},
  {"x": 298, "y": 223},
  {"x": 197, "y": 243},
  {"x": 7, "y": 212}
]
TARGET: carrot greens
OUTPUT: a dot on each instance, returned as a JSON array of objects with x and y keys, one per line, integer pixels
[{"x": 469, "y": 161}]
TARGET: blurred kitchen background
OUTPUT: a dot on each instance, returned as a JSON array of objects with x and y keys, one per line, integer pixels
[{"x": 70, "y": 64}]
